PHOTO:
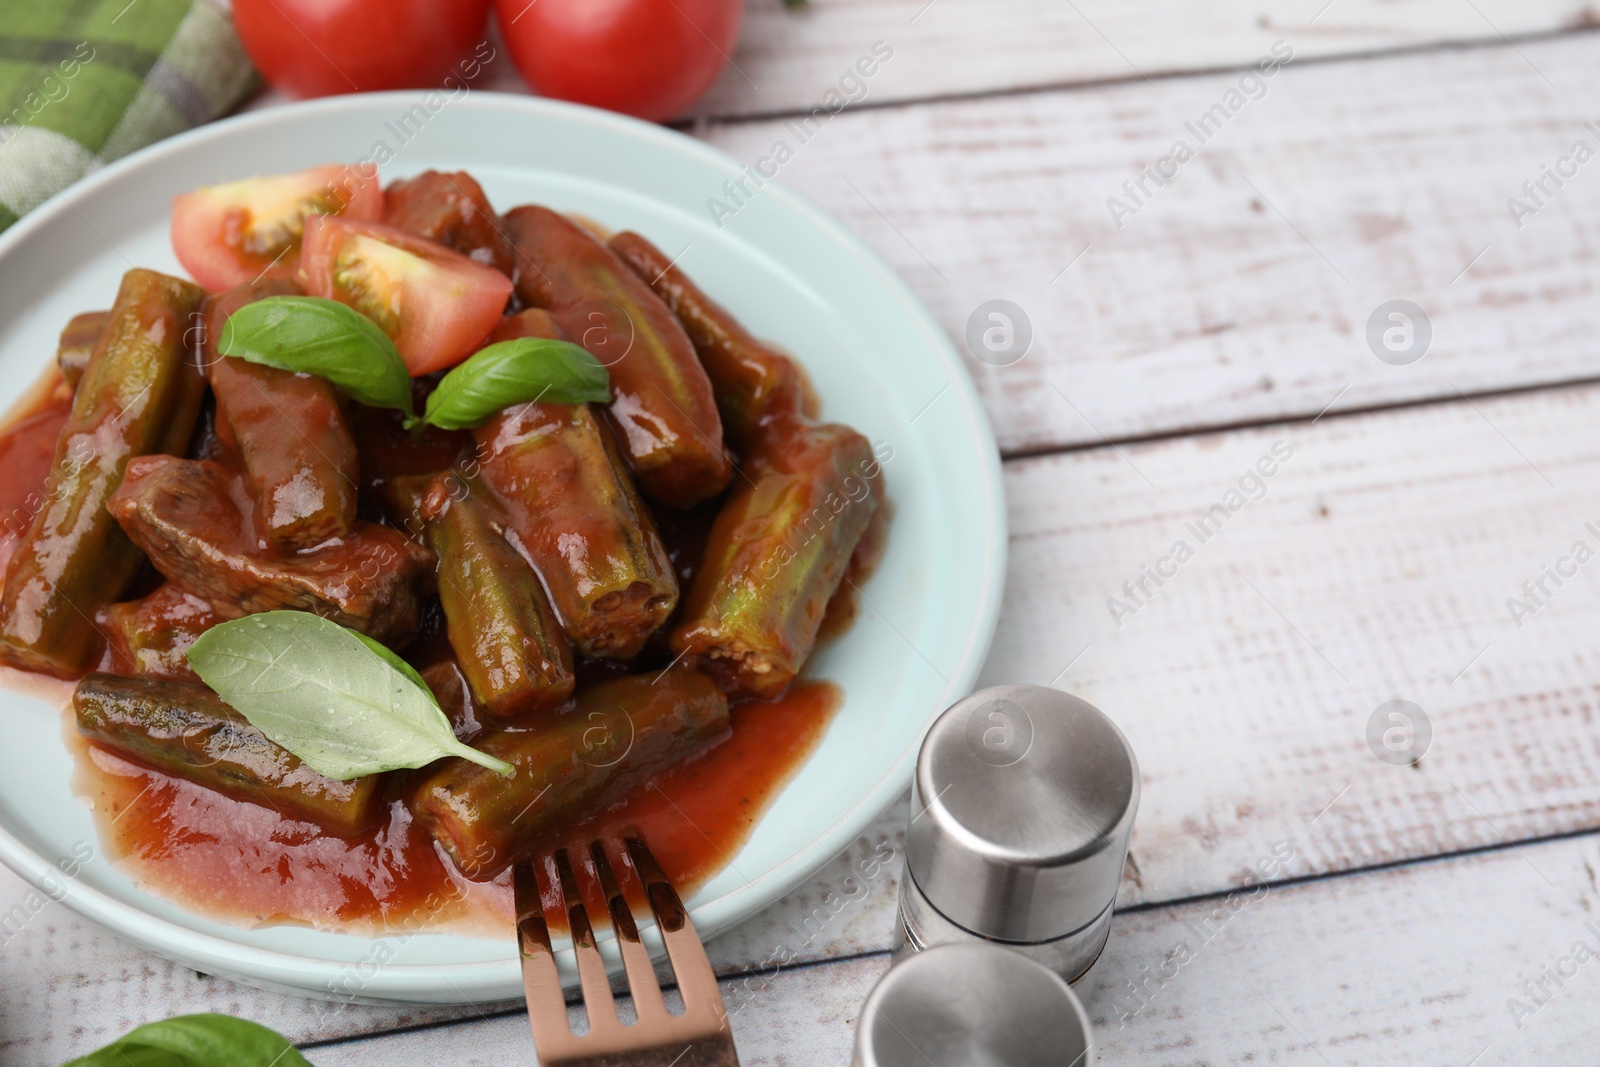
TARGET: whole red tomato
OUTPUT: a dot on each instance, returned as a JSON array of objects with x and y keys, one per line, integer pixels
[
  {"x": 323, "y": 47},
  {"x": 650, "y": 58}
]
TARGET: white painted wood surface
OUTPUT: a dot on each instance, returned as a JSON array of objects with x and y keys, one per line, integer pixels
[
  {"x": 1376, "y": 564},
  {"x": 788, "y": 59},
  {"x": 1241, "y": 291}
]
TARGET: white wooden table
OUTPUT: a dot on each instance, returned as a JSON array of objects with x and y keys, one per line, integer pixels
[{"x": 1431, "y": 909}]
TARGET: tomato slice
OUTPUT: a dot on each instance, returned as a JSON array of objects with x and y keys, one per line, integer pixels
[
  {"x": 435, "y": 304},
  {"x": 230, "y": 234}
]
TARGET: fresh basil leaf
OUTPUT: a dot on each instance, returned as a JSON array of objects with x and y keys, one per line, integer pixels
[
  {"x": 527, "y": 368},
  {"x": 321, "y": 692},
  {"x": 310, "y": 335},
  {"x": 197, "y": 1041},
  {"x": 393, "y": 659},
  {"x": 120, "y": 1055}
]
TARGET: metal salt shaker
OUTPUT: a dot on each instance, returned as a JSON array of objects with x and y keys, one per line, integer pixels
[
  {"x": 1021, "y": 808},
  {"x": 972, "y": 1004}
]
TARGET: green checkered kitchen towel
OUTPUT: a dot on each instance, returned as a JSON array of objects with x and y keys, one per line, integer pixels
[{"x": 83, "y": 82}]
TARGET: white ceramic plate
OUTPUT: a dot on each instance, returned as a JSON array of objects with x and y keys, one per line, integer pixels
[{"x": 792, "y": 274}]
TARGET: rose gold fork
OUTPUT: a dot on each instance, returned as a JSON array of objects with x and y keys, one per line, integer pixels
[{"x": 700, "y": 1037}]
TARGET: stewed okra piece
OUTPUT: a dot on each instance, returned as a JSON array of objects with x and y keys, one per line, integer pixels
[
  {"x": 751, "y": 379},
  {"x": 288, "y": 429},
  {"x": 663, "y": 403},
  {"x": 574, "y": 513},
  {"x": 452, "y": 209},
  {"x": 151, "y": 637},
  {"x": 185, "y": 730},
  {"x": 506, "y": 638},
  {"x": 621, "y": 733},
  {"x": 77, "y": 344},
  {"x": 776, "y": 554},
  {"x": 140, "y": 393}
]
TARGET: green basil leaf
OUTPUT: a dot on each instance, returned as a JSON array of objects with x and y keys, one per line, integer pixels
[
  {"x": 393, "y": 659},
  {"x": 197, "y": 1041},
  {"x": 321, "y": 692},
  {"x": 527, "y": 368},
  {"x": 310, "y": 335},
  {"x": 120, "y": 1055}
]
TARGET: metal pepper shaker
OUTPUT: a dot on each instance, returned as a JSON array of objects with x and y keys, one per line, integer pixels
[
  {"x": 975, "y": 1003},
  {"x": 1021, "y": 808}
]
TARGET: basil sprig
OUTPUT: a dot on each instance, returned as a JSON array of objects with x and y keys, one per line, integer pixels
[
  {"x": 197, "y": 1041},
  {"x": 344, "y": 704},
  {"x": 510, "y": 372},
  {"x": 311, "y": 335}
]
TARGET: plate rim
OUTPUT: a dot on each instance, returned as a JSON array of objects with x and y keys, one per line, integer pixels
[{"x": 405, "y": 982}]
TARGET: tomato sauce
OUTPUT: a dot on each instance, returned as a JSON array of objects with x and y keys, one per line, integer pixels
[
  {"x": 27, "y": 449},
  {"x": 247, "y": 864},
  {"x": 696, "y": 815}
]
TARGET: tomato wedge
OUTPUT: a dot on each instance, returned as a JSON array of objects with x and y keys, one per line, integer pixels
[
  {"x": 230, "y": 234},
  {"x": 436, "y": 305}
]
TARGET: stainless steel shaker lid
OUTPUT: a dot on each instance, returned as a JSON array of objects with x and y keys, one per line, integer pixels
[
  {"x": 1021, "y": 808},
  {"x": 961, "y": 1005}
]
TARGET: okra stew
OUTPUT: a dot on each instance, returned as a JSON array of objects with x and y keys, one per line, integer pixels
[{"x": 410, "y": 541}]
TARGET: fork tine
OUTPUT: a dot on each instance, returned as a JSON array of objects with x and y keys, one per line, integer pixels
[
  {"x": 696, "y": 981},
  {"x": 701, "y": 1036},
  {"x": 647, "y": 1000},
  {"x": 541, "y": 980},
  {"x": 597, "y": 1000}
]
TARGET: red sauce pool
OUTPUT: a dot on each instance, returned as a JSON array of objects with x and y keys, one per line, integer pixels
[
  {"x": 247, "y": 864},
  {"x": 27, "y": 449}
]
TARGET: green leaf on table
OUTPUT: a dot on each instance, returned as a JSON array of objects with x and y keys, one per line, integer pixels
[
  {"x": 510, "y": 372},
  {"x": 311, "y": 335},
  {"x": 323, "y": 692},
  {"x": 197, "y": 1041}
]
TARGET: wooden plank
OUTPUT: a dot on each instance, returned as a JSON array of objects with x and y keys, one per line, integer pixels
[
  {"x": 1418, "y": 964},
  {"x": 1241, "y": 291},
  {"x": 1408, "y": 965},
  {"x": 788, "y": 60},
  {"x": 1250, "y": 653}
]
